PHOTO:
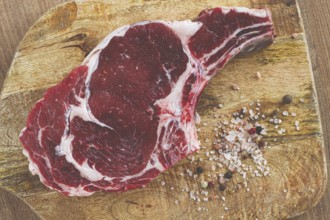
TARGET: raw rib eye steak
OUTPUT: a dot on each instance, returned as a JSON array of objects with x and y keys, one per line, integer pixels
[{"x": 127, "y": 113}]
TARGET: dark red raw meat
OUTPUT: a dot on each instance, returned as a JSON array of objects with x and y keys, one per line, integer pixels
[{"x": 127, "y": 113}]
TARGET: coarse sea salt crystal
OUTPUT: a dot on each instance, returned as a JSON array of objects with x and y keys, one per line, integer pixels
[
  {"x": 235, "y": 87},
  {"x": 213, "y": 167},
  {"x": 231, "y": 137},
  {"x": 227, "y": 156},
  {"x": 251, "y": 112},
  {"x": 263, "y": 132},
  {"x": 258, "y": 75}
]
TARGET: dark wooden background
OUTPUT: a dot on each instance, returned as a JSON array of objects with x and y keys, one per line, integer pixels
[{"x": 16, "y": 16}]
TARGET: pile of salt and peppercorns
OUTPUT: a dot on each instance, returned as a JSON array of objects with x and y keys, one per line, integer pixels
[{"x": 236, "y": 138}]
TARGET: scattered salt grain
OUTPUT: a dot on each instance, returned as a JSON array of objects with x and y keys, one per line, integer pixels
[
  {"x": 204, "y": 184},
  {"x": 213, "y": 167},
  {"x": 281, "y": 131},
  {"x": 163, "y": 183},
  {"x": 235, "y": 87},
  {"x": 258, "y": 75},
  {"x": 296, "y": 123},
  {"x": 294, "y": 35},
  {"x": 293, "y": 114},
  {"x": 285, "y": 113},
  {"x": 251, "y": 112},
  {"x": 176, "y": 202},
  {"x": 222, "y": 180}
]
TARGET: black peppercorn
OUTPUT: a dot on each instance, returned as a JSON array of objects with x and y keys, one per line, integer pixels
[
  {"x": 228, "y": 175},
  {"x": 287, "y": 99},
  {"x": 222, "y": 187},
  {"x": 258, "y": 129},
  {"x": 242, "y": 112},
  {"x": 199, "y": 170}
]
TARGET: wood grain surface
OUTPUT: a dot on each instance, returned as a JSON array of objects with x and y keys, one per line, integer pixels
[{"x": 317, "y": 45}]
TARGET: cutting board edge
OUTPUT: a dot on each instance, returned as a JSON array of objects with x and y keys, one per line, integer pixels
[
  {"x": 23, "y": 200},
  {"x": 4, "y": 95},
  {"x": 42, "y": 17},
  {"x": 316, "y": 99}
]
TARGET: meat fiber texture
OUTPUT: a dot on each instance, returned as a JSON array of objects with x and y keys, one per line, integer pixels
[{"x": 127, "y": 113}]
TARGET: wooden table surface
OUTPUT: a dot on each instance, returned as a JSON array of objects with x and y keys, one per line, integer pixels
[{"x": 17, "y": 16}]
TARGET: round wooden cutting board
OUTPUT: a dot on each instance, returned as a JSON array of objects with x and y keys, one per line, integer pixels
[{"x": 61, "y": 39}]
